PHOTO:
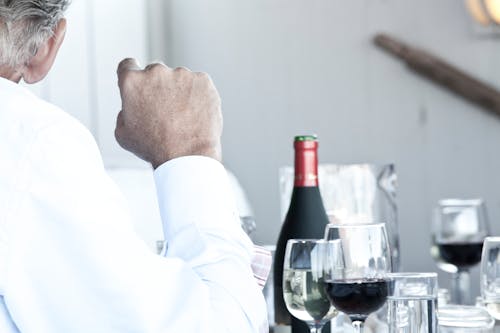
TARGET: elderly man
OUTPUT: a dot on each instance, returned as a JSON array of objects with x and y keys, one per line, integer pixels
[{"x": 69, "y": 259}]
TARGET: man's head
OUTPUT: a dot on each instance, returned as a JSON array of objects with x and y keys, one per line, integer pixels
[{"x": 31, "y": 32}]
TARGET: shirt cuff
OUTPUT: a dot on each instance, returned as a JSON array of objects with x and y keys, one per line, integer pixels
[{"x": 194, "y": 191}]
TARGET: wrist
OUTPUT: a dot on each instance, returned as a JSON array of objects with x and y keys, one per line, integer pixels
[{"x": 210, "y": 151}]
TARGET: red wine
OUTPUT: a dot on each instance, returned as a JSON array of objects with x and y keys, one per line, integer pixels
[
  {"x": 461, "y": 255},
  {"x": 358, "y": 298},
  {"x": 306, "y": 218}
]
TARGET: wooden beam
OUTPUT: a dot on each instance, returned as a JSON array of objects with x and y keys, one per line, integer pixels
[{"x": 442, "y": 73}]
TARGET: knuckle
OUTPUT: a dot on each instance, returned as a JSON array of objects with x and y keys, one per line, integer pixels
[
  {"x": 118, "y": 135},
  {"x": 127, "y": 61},
  {"x": 204, "y": 76},
  {"x": 119, "y": 125},
  {"x": 205, "y": 81},
  {"x": 119, "y": 119},
  {"x": 124, "y": 64},
  {"x": 156, "y": 68},
  {"x": 121, "y": 138},
  {"x": 182, "y": 70}
]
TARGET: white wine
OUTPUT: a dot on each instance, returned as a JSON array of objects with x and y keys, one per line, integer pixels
[
  {"x": 493, "y": 308},
  {"x": 305, "y": 296}
]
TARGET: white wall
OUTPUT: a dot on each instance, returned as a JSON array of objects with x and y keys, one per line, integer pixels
[{"x": 285, "y": 67}]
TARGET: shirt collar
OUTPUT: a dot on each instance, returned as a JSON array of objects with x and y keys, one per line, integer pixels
[{"x": 13, "y": 86}]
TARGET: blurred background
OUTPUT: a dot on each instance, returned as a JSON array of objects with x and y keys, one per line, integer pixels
[{"x": 293, "y": 67}]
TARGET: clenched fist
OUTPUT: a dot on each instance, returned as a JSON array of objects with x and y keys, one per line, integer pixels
[{"x": 167, "y": 113}]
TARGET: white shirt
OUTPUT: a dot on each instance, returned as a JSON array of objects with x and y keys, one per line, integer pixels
[{"x": 70, "y": 261}]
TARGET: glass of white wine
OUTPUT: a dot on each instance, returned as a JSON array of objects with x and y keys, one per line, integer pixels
[
  {"x": 490, "y": 276},
  {"x": 303, "y": 281}
]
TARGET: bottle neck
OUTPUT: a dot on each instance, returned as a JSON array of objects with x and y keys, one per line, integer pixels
[{"x": 306, "y": 164}]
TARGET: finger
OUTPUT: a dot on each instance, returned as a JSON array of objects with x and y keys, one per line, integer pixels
[
  {"x": 120, "y": 124},
  {"x": 182, "y": 69},
  {"x": 202, "y": 75},
  {"x": 207, "y": 78},
  {"x": 126, "y": 66},
  {"x": 155, "y": 65}
]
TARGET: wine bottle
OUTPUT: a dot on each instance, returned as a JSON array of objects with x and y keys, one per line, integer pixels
[{"x": 306, "y": 218}]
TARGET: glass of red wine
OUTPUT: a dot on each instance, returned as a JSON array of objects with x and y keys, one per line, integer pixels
[
  {"x": 458, "y": 231},
  {"x": 356, "y": 278}
]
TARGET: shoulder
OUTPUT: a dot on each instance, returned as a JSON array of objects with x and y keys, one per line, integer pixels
[
  {"x": 55, "y": 139},
  {"x": 27, "y": 116},
  {"x": 49, "y": 119},
  {"x": 66, "y": 143},
  {"x": 39, "y": 134}
]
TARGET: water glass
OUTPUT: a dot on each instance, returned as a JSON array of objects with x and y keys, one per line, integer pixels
[
  {"x": 464, "y": 319},
  {"x": 443, "y": 297},
  {"x": 490, "y": 276},
  {"x": 412, "y": 303}
]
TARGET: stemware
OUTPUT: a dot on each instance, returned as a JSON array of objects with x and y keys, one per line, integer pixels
[
  {"x": 356, "y": 277},
  {"x": 459, "y": 228},
  {"x": 490, "y": 276},
  {"x": 303, "y": 281}
]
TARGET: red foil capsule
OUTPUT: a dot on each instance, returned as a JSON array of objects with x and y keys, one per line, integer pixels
[{"x": 306, "y": 161}]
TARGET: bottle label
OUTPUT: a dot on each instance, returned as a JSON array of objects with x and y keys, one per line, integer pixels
[{"x": 306, "y": 163}]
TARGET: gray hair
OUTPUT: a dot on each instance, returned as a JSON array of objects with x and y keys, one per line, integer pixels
[{"x": 25, "y": 25}]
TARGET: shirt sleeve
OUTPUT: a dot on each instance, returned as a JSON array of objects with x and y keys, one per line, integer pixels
[{"x": 76, "y": 265}]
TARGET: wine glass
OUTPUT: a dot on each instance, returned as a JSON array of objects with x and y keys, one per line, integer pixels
[
  {"x": 303, "y": 281},
  {"x": 459, "y": 228},
  {"x": 490, "y": 276},
  {"x": 356, "y": 277}
]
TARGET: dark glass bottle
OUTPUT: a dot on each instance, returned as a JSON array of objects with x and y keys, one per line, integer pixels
[{"x": 306, "y": 218}]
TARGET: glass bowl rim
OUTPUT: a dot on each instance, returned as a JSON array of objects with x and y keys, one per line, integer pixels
[
  {"x": 355, "y": 225},
  {"x": 492, "y": 239},
  {"x": 412, "y": 275}
]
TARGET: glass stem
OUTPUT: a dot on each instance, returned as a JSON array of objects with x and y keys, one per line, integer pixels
[
  {"x": 315, "y": 328},
  {"x": 460, "y": 287},
  {"x": 358, "y": 326}
]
